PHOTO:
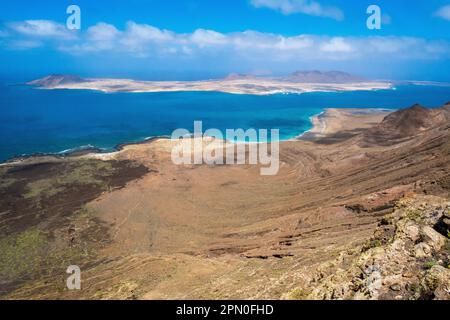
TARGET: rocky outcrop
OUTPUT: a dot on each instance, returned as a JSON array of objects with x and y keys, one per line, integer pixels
[
  {"x": 437, "y": 282},
  {"x": 412, "y": 263}
]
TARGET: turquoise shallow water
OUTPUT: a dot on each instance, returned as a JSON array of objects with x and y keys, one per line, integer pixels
[{"x": 50, "y": 121}]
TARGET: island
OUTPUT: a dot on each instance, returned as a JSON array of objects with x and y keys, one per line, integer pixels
[{"x": 297, "y": 82}]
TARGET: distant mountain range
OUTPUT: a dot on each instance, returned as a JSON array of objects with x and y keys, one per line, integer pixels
[
  {"x": 308, "y": 76},
  {"x": 313, "y": 76}
]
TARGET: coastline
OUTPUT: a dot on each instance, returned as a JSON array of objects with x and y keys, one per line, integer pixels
[
  {"x": 80, "y": 151},
  {"x": 327, "y": 123},
  {"x": 344, "y": 122},
  {"x": 315, "y": 119},
  {"x": 138, "y": 211},
  {"x": 254, "y": 86}
]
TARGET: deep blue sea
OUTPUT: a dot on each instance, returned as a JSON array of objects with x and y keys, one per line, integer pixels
[{"x": 51, "y": 121}]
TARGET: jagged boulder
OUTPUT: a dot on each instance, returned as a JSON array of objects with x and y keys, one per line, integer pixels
[
  {"x": 437, "y": 282},
  {"x": 433, "y": 238}
]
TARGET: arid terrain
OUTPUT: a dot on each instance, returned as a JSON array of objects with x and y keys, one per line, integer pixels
[
  {"x": 360, "y": 209},
  {"x": 298, "y": 82}
]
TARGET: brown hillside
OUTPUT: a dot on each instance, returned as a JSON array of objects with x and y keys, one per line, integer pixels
[
  {"x": 335, "y": 219},
  {"x": 404, "y": 124}
]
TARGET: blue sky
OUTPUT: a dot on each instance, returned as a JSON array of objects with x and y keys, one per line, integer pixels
[{"x": 208, "y": 38}]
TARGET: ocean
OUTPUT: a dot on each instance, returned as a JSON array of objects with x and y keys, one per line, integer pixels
[{"x": 55, "y": 121}]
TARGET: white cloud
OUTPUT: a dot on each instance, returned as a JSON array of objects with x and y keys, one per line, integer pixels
[
  {"x": 41, "y": 28},
  {"x": 337, "y": 44},
  {"x": 142, "y": 40},
  {"x": 138, "y": 37},
  {"x": 145, "y": 32},
  {"x": 202, "y": 38},
  {"x": 444, "y": 12},
  {"x": 99, "y": 37},
  {"x": 309, "y": 7},
  {"x": 24, "y": 44},
  {"x": 102, "y": 32}
]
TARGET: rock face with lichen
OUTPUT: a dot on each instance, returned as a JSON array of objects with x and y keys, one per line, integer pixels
[{"x": 407, "y": 258}]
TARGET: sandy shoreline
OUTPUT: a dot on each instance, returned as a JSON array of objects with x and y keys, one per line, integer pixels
[
  {"x": 333, "y": 121},
  {"x": 325, "y": 124}
]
